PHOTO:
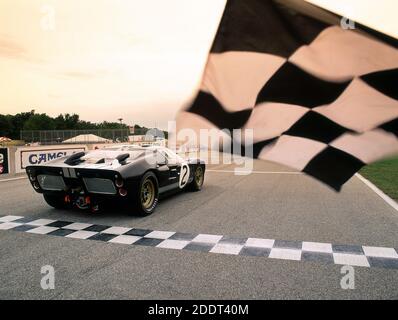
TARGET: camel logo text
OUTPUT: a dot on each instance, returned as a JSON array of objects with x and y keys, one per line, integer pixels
[
  {"x": 36, "y": 156},
  {"x": 44, "y": 157}
]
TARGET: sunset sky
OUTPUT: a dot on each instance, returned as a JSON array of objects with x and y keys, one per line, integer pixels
[{"x": 106, "y": 59}]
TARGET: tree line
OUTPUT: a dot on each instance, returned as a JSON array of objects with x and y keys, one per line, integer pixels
[{"x": 11, "y": 125}]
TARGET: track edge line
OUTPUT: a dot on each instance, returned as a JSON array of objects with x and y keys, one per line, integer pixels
[{"x": 380, "y": 193}]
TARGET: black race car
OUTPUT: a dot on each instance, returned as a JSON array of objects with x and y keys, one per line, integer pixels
[{"x": 136, "y": 176}]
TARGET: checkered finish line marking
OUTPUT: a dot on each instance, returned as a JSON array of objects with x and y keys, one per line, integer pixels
[{"x": 325, "y": 253}]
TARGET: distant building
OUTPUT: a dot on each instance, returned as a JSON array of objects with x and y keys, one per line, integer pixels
[{"x": 87, "y": 138}]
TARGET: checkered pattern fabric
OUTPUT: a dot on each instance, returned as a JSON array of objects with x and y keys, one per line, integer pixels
[
  {"x": 320, "y": 99},
  {"x": 324, "y": 253}
]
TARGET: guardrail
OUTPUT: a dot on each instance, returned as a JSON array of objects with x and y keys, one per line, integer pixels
[{"x": 14, "y": 160}]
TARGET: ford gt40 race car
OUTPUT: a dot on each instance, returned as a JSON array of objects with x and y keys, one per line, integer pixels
[{"x": 136, "y": 176}]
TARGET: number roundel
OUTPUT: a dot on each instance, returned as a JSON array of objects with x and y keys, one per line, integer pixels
[{"x": 184, "y": 175}]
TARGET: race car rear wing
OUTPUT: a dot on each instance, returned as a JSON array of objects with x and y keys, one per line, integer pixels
[{"x": 71, "y": 160}]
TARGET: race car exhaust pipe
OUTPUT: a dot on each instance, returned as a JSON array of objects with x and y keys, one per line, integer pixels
[
  {"x": 122, "y": 192},
  {"x": 119, "y": 182},
  {"x": 83, "y": 202}
]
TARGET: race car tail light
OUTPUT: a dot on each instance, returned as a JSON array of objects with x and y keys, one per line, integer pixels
[
  {"x": 100, "y": 186},
  {"x": 119, "y": 182},
  {"x": 32, "y": 177},
  {"x": 51, "y": 183},
  {"x": 123, "y": 192}
]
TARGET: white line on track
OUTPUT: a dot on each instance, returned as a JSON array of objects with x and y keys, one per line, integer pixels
[
  {"x": 12, "y": 179},
  {"x": 257, "y": 172},
  {"x": 380, "y": 193}
]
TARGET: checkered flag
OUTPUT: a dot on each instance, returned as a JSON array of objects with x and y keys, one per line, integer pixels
[{"x": 319, "y": 98}]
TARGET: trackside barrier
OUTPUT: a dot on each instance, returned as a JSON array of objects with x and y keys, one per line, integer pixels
[
  {"x": 25, "y": 156},
  {"x": 18, "y": 158},
  {"x": 4, "y": 161}
]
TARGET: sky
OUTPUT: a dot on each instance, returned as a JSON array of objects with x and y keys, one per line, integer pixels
[{"x": 140, "y": 60}]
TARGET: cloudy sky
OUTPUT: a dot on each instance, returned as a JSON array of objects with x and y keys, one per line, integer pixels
[{"x": 104, "y": 59}]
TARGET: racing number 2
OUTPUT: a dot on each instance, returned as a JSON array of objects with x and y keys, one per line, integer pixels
[{"x": 184, "y": 175}]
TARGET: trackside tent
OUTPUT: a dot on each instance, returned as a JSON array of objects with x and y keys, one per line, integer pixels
[{"x": 87, "y": 138}]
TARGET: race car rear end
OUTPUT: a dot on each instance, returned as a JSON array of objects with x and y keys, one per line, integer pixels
[{"x": 64, "y": 187}]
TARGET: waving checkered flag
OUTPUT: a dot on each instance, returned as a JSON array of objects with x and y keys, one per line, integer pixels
[{"x": 320, "y": 98}]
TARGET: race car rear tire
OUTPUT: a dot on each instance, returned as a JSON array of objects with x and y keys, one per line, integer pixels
[
  {"x": 198, "y": 179},
  {"x": 55, "y": 201},
  {"x": 146, "y": 198}
]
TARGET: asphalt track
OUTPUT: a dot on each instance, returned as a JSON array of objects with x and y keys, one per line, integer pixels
[{"x": 271, "y": 203}]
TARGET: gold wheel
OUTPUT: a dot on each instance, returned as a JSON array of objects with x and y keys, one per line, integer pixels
[
  {"x": 199, "y": 176},
  {"x": 147, "y": 194}
]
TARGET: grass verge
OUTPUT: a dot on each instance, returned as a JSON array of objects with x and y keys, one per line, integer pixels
[{"x": 384, "y": 175}]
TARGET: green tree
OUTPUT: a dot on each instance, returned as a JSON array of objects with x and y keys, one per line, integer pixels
[
  {"x": 72, "y": 121},
  {"x": 18, "y": 122},
  {"x": 6, "y": 128},
  {"x": 111, "y": 125},
  {"x": 11, "y": 125},
  {"x": 39, "y": 122},
  {"x": 59, "y": 122}
]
